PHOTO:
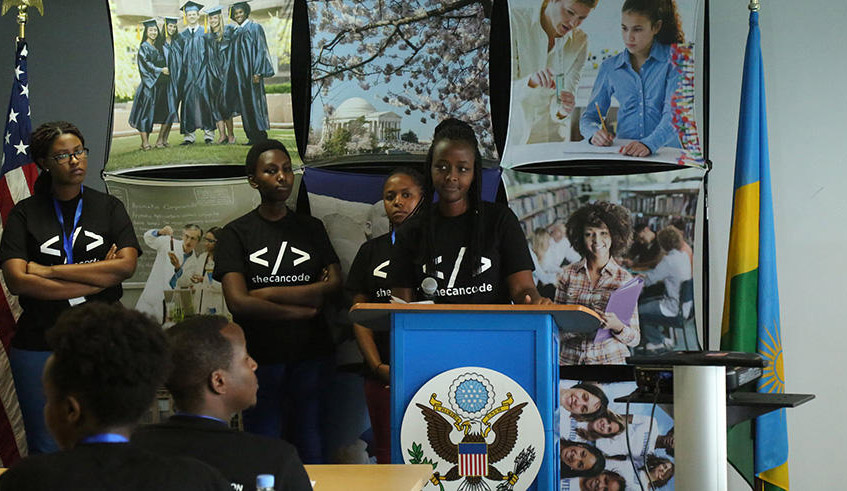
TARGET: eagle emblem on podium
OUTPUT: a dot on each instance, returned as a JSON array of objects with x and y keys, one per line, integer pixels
[{"x": 474, "y": 433}]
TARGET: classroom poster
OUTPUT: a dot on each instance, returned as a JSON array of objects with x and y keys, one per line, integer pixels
[
  {"x": 652, "y": 219},
  {"x": 604, "y": 441},
  {"x": 183, "y": 218},
  {"x": 563, "y": 93},
  {"x": 182, "y": 93},
  {"x": 384, "y": 74}
]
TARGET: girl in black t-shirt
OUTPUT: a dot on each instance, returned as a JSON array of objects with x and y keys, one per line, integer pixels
[
  {"x": 367, "y": 282},
  {"x": 474, "y": 250},
  {"x": 64, "y": 245},
  {"x": 277, "y": 268}
]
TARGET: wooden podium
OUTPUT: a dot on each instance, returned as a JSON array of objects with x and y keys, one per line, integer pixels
[{"x": 520, "y": 341}]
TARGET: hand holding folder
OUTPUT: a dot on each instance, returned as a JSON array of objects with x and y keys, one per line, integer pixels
[{"x": 622, "y": 303}]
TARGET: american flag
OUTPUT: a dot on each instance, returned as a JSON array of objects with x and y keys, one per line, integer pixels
[
  {"x": 16, "y": 180},
  {"x": 473, "y": 459}
]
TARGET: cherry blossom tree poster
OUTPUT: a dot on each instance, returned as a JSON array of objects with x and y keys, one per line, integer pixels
[{"x": 385, "y": 72}]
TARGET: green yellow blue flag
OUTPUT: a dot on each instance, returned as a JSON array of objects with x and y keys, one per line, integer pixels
[{"x": 751, "y": 304}]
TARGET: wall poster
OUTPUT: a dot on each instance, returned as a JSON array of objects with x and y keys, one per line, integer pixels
[
  {"x": 384, "y": 74},
  {"x": 641, "y": 227},
  {"x": 195, "y": 84},
  {"x": 605, "y": 445},
  {"x": 603, "y": 81}
]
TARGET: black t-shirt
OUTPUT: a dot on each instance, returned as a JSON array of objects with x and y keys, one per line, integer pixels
[
  {"x": 504, "y": 251},
  {"x": 369, "y": 276},
  {"x": 239, "y": 456},
  {"x": 32, "y": 233},
  {"x": 292, "y": 251},
  {"x": 108, "y": 467}
]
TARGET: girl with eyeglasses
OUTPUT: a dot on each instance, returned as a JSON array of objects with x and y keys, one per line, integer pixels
[{"x": 65, "y": 245}]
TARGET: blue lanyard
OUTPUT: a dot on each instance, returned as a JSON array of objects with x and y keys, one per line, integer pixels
[
  {"x": 105, "y": 438},
  {"x": 393, "y": 236},
  {"x": 68, "y": 239}
]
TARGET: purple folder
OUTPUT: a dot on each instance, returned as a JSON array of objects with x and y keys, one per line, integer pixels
[{"x": 622, "y": 303}]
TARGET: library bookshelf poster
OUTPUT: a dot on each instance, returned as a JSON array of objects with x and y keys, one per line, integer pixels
[
  {"x": 384, "y": 74},
  {"x": 559, "y": 96},
  {"x": 660, "y": 205},
  {"x": 191, "y": 99},
  {"x": 646, "y": 462}
]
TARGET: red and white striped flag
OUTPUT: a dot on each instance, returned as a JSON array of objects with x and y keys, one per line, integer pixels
[
  {"x": 16, "y": 180},
  {"x": 473, "y": 459}
]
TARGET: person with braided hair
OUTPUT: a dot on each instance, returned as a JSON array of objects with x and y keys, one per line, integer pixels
[
  {"x": 474, "y": 250},
  {"x": 64, "y": 245}
]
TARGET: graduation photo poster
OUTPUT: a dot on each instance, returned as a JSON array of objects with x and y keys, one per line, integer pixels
[
  {"x": 196, "y": 82},
  {"x": 385, "y": 73},
  {"x": 593, "y": 431},
  {"x": 650, "y": 220},
  {"x": 604, "y": 80}
]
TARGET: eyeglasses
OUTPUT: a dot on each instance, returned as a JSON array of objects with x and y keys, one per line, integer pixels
[
  {"x": 211, "y": 241},
  {"x": 65, "y": 158}
]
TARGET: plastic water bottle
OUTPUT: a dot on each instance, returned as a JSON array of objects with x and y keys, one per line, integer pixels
[{"x": 265, "y": 482}]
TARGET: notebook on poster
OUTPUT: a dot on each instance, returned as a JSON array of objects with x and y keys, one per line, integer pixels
[{"x": 622, "y": 303}]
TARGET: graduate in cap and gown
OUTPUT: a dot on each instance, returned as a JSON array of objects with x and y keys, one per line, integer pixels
[
  {"x": 218, "y": 52},
  {"x": 251, "y": 62},
  {"x": 151, "y": 66},
  {"x": 168, "y": 90},
  {"x": 196, "y": 109}
]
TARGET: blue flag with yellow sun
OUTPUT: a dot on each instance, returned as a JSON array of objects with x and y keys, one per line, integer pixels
[{"x": 751, "y": 305}]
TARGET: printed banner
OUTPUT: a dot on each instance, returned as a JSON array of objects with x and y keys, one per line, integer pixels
[
  {"x": 603, "y": 81},
  {"x": 196, "y": 85},
  {"x": 384, "y": 74},
  {"x": 180, "y": 219},
  {"x": 606, "y": 446},
  {"x": 633, "y": 226}
]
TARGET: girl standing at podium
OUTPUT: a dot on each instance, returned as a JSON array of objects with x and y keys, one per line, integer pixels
[
  {"x": 599, "y": 232},
  {"x": 469, "y": 251},
  {"x": 367, "y": 282}
]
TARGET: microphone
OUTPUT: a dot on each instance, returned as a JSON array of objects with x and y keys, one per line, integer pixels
[{"x": 428, "y": 287}]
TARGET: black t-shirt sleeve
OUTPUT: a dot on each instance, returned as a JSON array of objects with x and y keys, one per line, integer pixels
[
  {"x": 229, "y": 254},
  {"x": 122, "y": 229},
  {"x": 323, "y": 244},
  {"x": 13, "y": 243},
  {"x": 359, "y": 269},
  {"x": 515, "y": 250}
]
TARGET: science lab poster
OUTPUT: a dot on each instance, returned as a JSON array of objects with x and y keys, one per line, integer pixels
[{"x": 562, "y": 94}]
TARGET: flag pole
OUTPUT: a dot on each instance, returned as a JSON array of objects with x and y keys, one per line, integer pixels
[{"x": 23, "y": 14}]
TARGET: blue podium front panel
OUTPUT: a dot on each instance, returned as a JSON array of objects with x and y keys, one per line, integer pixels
[{"x": 522, "y": 346}]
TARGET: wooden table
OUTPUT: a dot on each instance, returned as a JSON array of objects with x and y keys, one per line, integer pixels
[{"x": 387, "y": 477}]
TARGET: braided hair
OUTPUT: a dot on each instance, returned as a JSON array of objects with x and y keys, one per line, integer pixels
[
  {"x": 455, "y": 131},
  {"x": 41, "y": 141}
]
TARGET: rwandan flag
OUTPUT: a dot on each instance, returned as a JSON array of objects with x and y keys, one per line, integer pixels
[{"x": 751, "y": 303}]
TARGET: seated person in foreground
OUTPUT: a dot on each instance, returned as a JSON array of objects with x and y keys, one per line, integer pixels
[
  {"x": 101, "y": 378},
  {"x": 212, "y": 379}
]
